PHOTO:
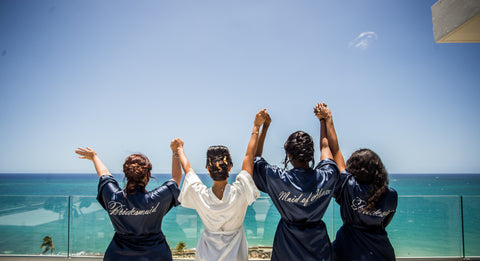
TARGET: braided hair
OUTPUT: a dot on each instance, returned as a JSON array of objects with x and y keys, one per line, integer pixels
[
  {"x": 137, "y": 169},
  {"x": 367, "y": 168},
  {"x": 219, "y": 162},
  {"x": 299, "y": 146}
]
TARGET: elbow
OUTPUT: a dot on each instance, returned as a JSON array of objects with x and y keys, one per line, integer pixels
[
  {"x": 177, "y": 181},
  {"x": 324, "y": 144}
]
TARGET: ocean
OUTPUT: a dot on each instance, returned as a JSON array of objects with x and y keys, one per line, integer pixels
[{"x": 436, "y": 216}]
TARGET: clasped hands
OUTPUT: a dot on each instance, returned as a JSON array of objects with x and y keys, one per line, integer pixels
[
  {"x": 321, "y": 111},
  {"x": 176, "y": 144},
  {"x": 262, "y": 117}
]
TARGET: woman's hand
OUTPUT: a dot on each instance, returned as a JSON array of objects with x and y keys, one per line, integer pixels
[
  {"x": 177, "y": 148},
  {"x": 260, "y": 117},
  {"x": 176, "y": 162},
  {"x": 90, "y": 154},
  {"x": 268, "y": 120},
  {"x": 87, "y": 153},
  {"x": 261, "y": 138},
  {"x": 252, "y": 147},
  {"x": 321, "y": 111},
  {"x": 176, "y": 144}
]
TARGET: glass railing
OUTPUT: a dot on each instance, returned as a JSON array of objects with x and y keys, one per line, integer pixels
[
  {"x": 445, "y": 226},
  {"x": 433, "y": 231},
  {"x": 26, "y": 220},
  {"x": 471, "y": 227}
]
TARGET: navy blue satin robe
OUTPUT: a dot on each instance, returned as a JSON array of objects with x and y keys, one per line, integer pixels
[
  {"x": 137, "y": 220},
  {"x": 301, "y": 197},
  {"x": 362, "y": 236}
]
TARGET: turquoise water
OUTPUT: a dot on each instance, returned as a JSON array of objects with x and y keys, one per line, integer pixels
[{"x": 35, "y": 205}]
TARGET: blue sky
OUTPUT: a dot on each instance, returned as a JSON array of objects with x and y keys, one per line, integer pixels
[{"x": 125, "y": 77}]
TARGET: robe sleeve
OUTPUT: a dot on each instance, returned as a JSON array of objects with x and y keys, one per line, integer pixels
[
  {"x": 330, "y": 172},
  {"x": 191, "y": 190},
  {"x": 246, "y": 184},
  {"x": 344, "y": 177},
  {"x": 168, "y": 193},
  {"x": 394, "y": 202},
  {"x": 329, "y": 167},
  {"x": 260, "y": 173},
  {"x": 107, "y": 187}
]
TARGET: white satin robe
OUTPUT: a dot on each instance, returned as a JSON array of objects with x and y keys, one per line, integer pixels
[{"x": 224, "y": 235}]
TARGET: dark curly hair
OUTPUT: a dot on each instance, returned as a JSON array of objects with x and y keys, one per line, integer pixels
[
  {"x": 137, "y": 169},
  {"x": 299, "y": 146},
  {"x": 368, "y": 169},
  {"x": 218, "y": 162}
]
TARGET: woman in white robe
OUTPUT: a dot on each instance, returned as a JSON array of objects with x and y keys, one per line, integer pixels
[{"x": 222, "y": 207}]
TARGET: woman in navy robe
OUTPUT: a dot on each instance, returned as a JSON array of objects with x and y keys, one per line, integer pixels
[
  {"x": 367, "y": 204},
  {"x": 301, "y": 196},
  {"x": 136, "y": 214}
]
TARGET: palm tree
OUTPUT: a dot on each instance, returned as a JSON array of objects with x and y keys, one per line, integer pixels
[
  {"x": 48, "y": 244},
  {"x": 181, "y": 246}
]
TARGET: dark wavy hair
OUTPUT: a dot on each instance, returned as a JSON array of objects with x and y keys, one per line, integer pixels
[
  {"x": 218, "y": 162},
  {"x": 299, "y": 146},
  {"x": 368, "y": 169},
  {"x": 137, "y": 169}
]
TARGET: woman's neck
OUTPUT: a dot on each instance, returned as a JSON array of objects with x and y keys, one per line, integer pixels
[
  {"x": 219, "y": 187},
  {"x": 300, "y": 165}
]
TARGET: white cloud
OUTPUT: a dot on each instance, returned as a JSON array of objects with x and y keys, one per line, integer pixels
[{"x": 364, "y": 40}]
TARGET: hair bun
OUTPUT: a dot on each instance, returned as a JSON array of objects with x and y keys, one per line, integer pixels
[
  {"x": 299, "y": 146},
  {"x": 218, "y": 162},
  {"x": 137, "y": 169}
]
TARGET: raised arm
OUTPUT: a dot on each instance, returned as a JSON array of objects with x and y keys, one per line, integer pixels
[
  {"x": 90, "y": 154},
  {"x": 321, "y": 110},
  {"x": 263, "y": 134},
  {"x": 177, "y": 144},
  {"x": 252, "y": 144},
  {"x": 325, "y": 152},
  {"x": 176, "y": 166}
]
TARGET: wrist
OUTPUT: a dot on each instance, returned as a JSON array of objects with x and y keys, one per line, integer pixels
[{"x": 175, "y": 155}]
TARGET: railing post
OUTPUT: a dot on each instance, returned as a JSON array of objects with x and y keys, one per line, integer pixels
[
  {"x": 462, "y": 225},
  {"x": 69, "y": 225}
]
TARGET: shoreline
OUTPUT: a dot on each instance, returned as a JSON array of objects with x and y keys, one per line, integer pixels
[{"x": 254, "y": 252}]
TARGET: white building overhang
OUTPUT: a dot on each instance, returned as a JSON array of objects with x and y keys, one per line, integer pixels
[{"x": 456, "y": 21}]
